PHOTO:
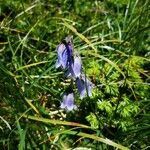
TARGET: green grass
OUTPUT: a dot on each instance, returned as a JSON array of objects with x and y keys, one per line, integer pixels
[{"x": 112, "y": 38}]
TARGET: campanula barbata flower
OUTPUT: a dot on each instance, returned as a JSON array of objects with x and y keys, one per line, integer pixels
[
  {"x": 64, "y": 54},
  {"x": 84, "y": 86},
  {"x": 68, "y": 102},
  {"x": 75, "y": 67}
]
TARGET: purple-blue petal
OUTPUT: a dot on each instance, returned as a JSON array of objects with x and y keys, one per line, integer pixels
[
  {"x": 84, "y": 86},
  {"x": 81, "y": 87},
  {"x": 70, "y": 72},
  {"x": 74, "y": 69},
  {"x": 68, "y": 102},
  {"x": 70, "y": 99},
  {"x": 76, "y": 66},
  {"x": 60, "y": 50},
  {"x": 64, "y": 59},
  {"x": 63, "y": 103},
  {"x": 62, "y": 56},
  {"x": 69, "y": 51}
]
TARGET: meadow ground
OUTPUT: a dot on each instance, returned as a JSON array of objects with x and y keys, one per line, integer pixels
[{"x": 110, "y": 109}]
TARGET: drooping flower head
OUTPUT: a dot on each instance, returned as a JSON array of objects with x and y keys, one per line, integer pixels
[
  {"x": 69, "y": 46},
  {"x": 75, "y": 67},
  {"x": 64, "y": 53},
  {"x": 84, "y": 86},
  {"x": 68, "y": 102},
  {"x": 62, "y": 56}
]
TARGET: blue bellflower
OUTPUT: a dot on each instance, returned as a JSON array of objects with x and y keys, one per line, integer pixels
[
  {"x": 68, "y": 102},
  {"x": 84, "y": 86},
  {"x": 64, "y": 54},
  {"x": 75, "y": 67}
]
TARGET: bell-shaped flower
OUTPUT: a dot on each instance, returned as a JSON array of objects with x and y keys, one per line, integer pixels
[
  {"x": 64, "y": 54},
  {"x": 84, "y": 86},
  {"x": 68, "y": 102},
  {"x": 74, "y": 69}
]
